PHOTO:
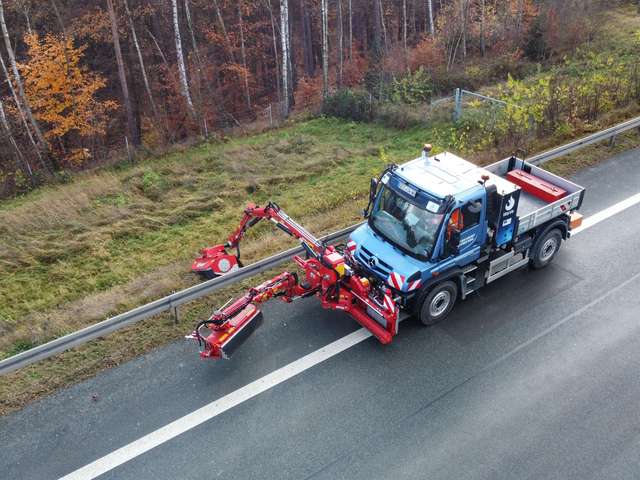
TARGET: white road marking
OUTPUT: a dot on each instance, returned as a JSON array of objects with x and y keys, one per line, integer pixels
[
  {"x": 607, "y": 213},
  {"x": 215, "y": 408}
]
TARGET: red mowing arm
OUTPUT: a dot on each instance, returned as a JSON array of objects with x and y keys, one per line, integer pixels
[
  {"x": 328, "y": 274},
  {"x": 216, "y": 261}
]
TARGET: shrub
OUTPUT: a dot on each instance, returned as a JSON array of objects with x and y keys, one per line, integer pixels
[
  {"x": 401, "y": 117},
  {"x": 412, "y": 88},
  {"x": 349, "y": 104}
]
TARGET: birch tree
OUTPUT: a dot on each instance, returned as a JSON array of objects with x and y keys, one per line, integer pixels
[
  {"x": 223, "y": 27},
  {"x": 21, "y": 161},
  {"x": 351, "y": 31},
  {"x": 340, "y": 43},
  {"x": 482, "y": 28},
  {"x": 243, "y": 57},
  {"x": 275, "y": 48},
  {"x": 325, "y": 48},
  {"x": 182, "y": 69},
  {"x": 22, "y": 101},
  {"x": 430, "y": 15},
  {"x": 286, "y": 56},
  {"x": 133, "y": 135},
  {"x": 199, "y": 69},
  {"x": 404, "y": 33},
  {"x": 143, "y": 69},
  {"x": 21, "y": 114}
]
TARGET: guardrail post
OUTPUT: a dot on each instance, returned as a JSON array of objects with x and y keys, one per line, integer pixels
[
  {"x": 175, "y": 313},
  {"x": 612, "y": 141}
]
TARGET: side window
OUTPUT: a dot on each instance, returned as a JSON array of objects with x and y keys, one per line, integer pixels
[{"x": 471, "y": 214}]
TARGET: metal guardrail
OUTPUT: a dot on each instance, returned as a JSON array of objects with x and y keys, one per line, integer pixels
[
  {"x": 608, "y": 134},
  {"x": 168, "y": 303},
  {"x": 173, "y": 301}
]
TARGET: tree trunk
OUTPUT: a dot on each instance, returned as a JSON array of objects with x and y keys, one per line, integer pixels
[
  {"x": 430, "y": 14},
  {"x": 340, "y": 45},
  {"x": 384, "y": 27},
  {"x": 21, "y": 97},
  {"x": 325, "y": 48},
  {"x": 404, "y": 34},
  {"x": 145, "y": 78},
  {"x": 376, "y": 45},
  {"x": 274, "y": 37},
  {"x": 25, "y": 11},
  {"x": 23, "y": 116},
  {"x": 463, "y": 19},
  {"x": 227, "y": 41},
  {"x": 199, "y": 69},
  {"x": 307, "y": 41},
  {"x": 483, "y": 47},
  {"x": 126, "y": 98},
  {"x": 244, "y": 56},
  {"x": 286, "y": 57},
  {"x": 350, "y": 31},
  {"x": 182, "y": 69},
  {"x": 21, "y": 161}
]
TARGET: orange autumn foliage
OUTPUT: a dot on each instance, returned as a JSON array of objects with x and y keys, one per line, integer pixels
[{"x": 62, "y": 92}]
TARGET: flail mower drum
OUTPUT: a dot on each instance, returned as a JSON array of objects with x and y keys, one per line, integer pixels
[{"x": 214, "y": 262}]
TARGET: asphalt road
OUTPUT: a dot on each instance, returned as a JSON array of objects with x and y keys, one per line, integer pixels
[{"x": 536, "y": 376}]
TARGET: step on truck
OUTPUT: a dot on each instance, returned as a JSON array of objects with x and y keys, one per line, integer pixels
[{"x": 437, "y": 229}]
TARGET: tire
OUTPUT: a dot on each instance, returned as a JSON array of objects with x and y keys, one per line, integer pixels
[
  {"x": 546, "y": 248},
  {"x": 436, "y": 304}
]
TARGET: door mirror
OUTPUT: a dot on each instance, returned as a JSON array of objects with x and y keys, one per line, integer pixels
[{"x": 373, "y": 190}]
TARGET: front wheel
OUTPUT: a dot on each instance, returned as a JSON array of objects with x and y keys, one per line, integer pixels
[
  {"x": 437, "y": 303},
  {"x": 546, "y": 248}
]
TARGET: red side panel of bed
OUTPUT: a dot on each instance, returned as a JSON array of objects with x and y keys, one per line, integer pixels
[{"x": 536, "y": 186}]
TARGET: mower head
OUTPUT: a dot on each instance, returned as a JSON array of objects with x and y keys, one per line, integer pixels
[
  {"x": 215, "y": 261},
  {"x": 221, "y": 341}
]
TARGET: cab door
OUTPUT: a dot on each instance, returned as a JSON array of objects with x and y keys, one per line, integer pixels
[{"x": 467, "y": 231}]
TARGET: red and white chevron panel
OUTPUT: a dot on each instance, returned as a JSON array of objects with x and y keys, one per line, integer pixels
[
  {"x": 351, "y": 246},
  {"x": 414, "y": 285},
  {"x": 389, "y": 304},
  {"x": 395, "y": 280}
]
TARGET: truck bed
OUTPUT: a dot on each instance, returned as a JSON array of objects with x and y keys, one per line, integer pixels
[{"x": 532, "y": 211}]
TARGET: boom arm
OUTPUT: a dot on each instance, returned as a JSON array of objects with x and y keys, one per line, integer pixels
[
  {"x": 216, "y": 261},
  {"x": 253, "y": 215}
]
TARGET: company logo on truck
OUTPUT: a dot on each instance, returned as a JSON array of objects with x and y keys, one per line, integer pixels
[
  {"x": 507, "y": 223},
  {"x": 510, "y": 204}
]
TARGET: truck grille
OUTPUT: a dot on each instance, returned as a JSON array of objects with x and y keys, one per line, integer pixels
[{"x": 381, "y": 268}]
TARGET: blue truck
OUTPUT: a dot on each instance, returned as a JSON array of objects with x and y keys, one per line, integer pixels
[{"x": 439, "y": 227}]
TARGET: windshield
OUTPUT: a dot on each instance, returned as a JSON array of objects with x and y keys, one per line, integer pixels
[{"x": 410, "y": 227}]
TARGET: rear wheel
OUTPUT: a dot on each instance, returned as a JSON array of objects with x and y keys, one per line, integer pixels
[
  {"x": 546, "y": 248},
  {"x": 437, "y": 303}
]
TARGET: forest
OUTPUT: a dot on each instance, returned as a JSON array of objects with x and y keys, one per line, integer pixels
[{"x": 86, "y": 83}]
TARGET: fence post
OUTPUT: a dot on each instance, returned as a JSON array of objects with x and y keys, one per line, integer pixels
[
  {"x": 270, "y": 116},
  {"x": 457, "y": 112}
]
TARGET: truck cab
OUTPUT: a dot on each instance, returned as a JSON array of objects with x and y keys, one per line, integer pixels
[{"x": 440, "y": 227}]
